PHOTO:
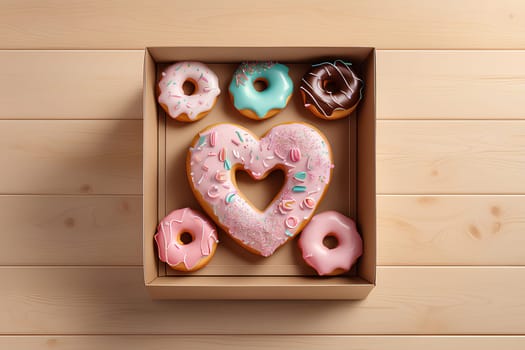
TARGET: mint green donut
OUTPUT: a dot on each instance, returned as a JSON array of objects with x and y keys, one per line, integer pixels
[{"x": 275, "y": 96}]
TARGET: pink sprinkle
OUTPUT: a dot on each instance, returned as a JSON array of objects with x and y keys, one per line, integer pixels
[
  {"x": 213, "y": 138},
  {"x": 212, "y": 154},
  {"x": 235, "y": 142},
  {"x": 204, "y": 167},
  {"x": 295, "y": 154},
  {"x": 213, "y": 192},
  {"x": 222, "y": 154},
  {"x": 204, "y": 78},
  {"x": 309, "y": 202},
  {"x": 291, "y": 222},
  {"x": 220, "y": 176}
]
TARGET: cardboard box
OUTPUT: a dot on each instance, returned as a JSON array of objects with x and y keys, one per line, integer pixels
[{"x": 234, "y": 273}]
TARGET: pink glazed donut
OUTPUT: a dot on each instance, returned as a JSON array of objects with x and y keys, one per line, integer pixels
[
  {"x": 192, "y": 254},
  {"x": 326, "y": 261}
]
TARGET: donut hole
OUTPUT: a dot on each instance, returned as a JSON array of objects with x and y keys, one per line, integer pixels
[
  {"x": 189, "y": 87},
  {"x": 330, "y": 86},
  {"x": 185, "y": 238},
  {"x": 330, "y": 241},
  {"x": 260, "y": 193},
  {"x": 260, "y": 84}
]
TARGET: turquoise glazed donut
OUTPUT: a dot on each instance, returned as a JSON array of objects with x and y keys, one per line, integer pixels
[{"x": 263, "y": 104}]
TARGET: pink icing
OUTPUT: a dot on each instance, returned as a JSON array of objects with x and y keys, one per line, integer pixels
[
  {"x": 307, "y": 176},
  {"x": 320, "y": 257},
  {"x": 172, "y": 95},
  {"x": 185, "y": 220}
]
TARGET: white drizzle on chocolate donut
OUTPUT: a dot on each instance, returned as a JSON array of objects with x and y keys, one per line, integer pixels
[{"x": 341, "y": 78}]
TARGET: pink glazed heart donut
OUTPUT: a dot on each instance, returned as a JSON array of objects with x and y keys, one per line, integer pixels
[
  {"x": 299, "y": 149},
  {"x": 184, "y": 255},
  {"x": 326, "y": 261}
]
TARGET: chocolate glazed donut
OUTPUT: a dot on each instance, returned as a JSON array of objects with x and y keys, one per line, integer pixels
[{"x": 331, "y": 90}]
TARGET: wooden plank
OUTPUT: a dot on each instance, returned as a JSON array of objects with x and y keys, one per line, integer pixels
[
  {"x": 270, "y": 342},
  {"x": 71, "y": 157},
  {"x": 450, "y": 84},
  {"x": 59, "y": 24},
  {"x": 407, "y": 300},
  {"x": 451, "y": 230},
  {"x": 72, "y": 230},
  {"x": 450, "y": 157},
  {"x": 413, "y": 230},
  {"x": 71, "y": 84}
]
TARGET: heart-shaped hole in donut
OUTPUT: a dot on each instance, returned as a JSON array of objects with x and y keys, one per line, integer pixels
[
  {"x": 189, "y": 87},
  {"x": 185, "y": 238},
  {"x": 260, "y": 84},
  {"x": 260, "y": 193},
  {"x": 330, "y": 86},
  {"x": 330, "y": 241}
]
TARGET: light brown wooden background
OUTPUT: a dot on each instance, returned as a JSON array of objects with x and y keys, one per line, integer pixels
[{"x": 450, "y": 175}]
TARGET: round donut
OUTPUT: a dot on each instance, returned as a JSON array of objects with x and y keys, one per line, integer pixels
[
  {"x": 188, "y": 108},
  {"x": 326, "y": 261},
  {"x": 263, "y": 104},
  {"x": 186, "y": 256},
  {"x": 301, "y": 151},
  {"x": 331, "y": 90}
]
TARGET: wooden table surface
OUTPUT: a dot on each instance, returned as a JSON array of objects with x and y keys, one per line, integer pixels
[{"x": 450, "y": 175}]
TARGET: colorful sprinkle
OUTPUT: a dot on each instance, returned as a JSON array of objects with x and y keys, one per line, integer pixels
[
  {"x": 202, "y": 140},
  {"x": 213, "y": 192},
  {"x": 222, "y": 154},
  {"x": 236, "y": 154},
  {"x": 288, "y": 233},
  {"x": 220, "y": 176},
  {"x": 286, "y": 205},
  {"x": 295, "y": 154},
  {"x": 235, "y": 142},
  {"x": 239, "y": 135},
  {"x": 200, "y": 180},
  {"x": 309, "y": 202},
  {"x": 229, "y": 197},
  {"x": 227, "y": 164},
  {"x": 300, "y": 176},
  {"x": 299, "y": 188},
  {"x": 213, "y": 138},
  {"x": 291, "y": 222}
]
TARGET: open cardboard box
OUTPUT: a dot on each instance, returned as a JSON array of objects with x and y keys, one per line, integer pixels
[{"x": 234, "y": 273}]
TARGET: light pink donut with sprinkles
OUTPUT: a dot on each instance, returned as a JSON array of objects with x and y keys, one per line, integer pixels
[
  {"x": 193, "y": 255},
  {"x": 326, "y": 261},
  {"x": 188, "y": 108},
  {"x": 299, "y": 149}
]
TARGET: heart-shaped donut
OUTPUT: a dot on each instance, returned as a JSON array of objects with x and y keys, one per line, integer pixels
[{"x": 300, "y": 150}]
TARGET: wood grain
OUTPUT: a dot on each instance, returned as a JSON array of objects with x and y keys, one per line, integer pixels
[
  {"x": 71, "y": 84},
  {"x": 122, "y": 24},
  {"x": 451, "y": 230},
  {"x": 70, "y": 230},
  {"x": 407, "y": 300},
  {"x": 270, "y": 342},
  {"x": 413, "y": 230},
  {"x": 450, "y": 84},
  {"x": 71, "y": 157},
  {"x": 450, "y": 157}
]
